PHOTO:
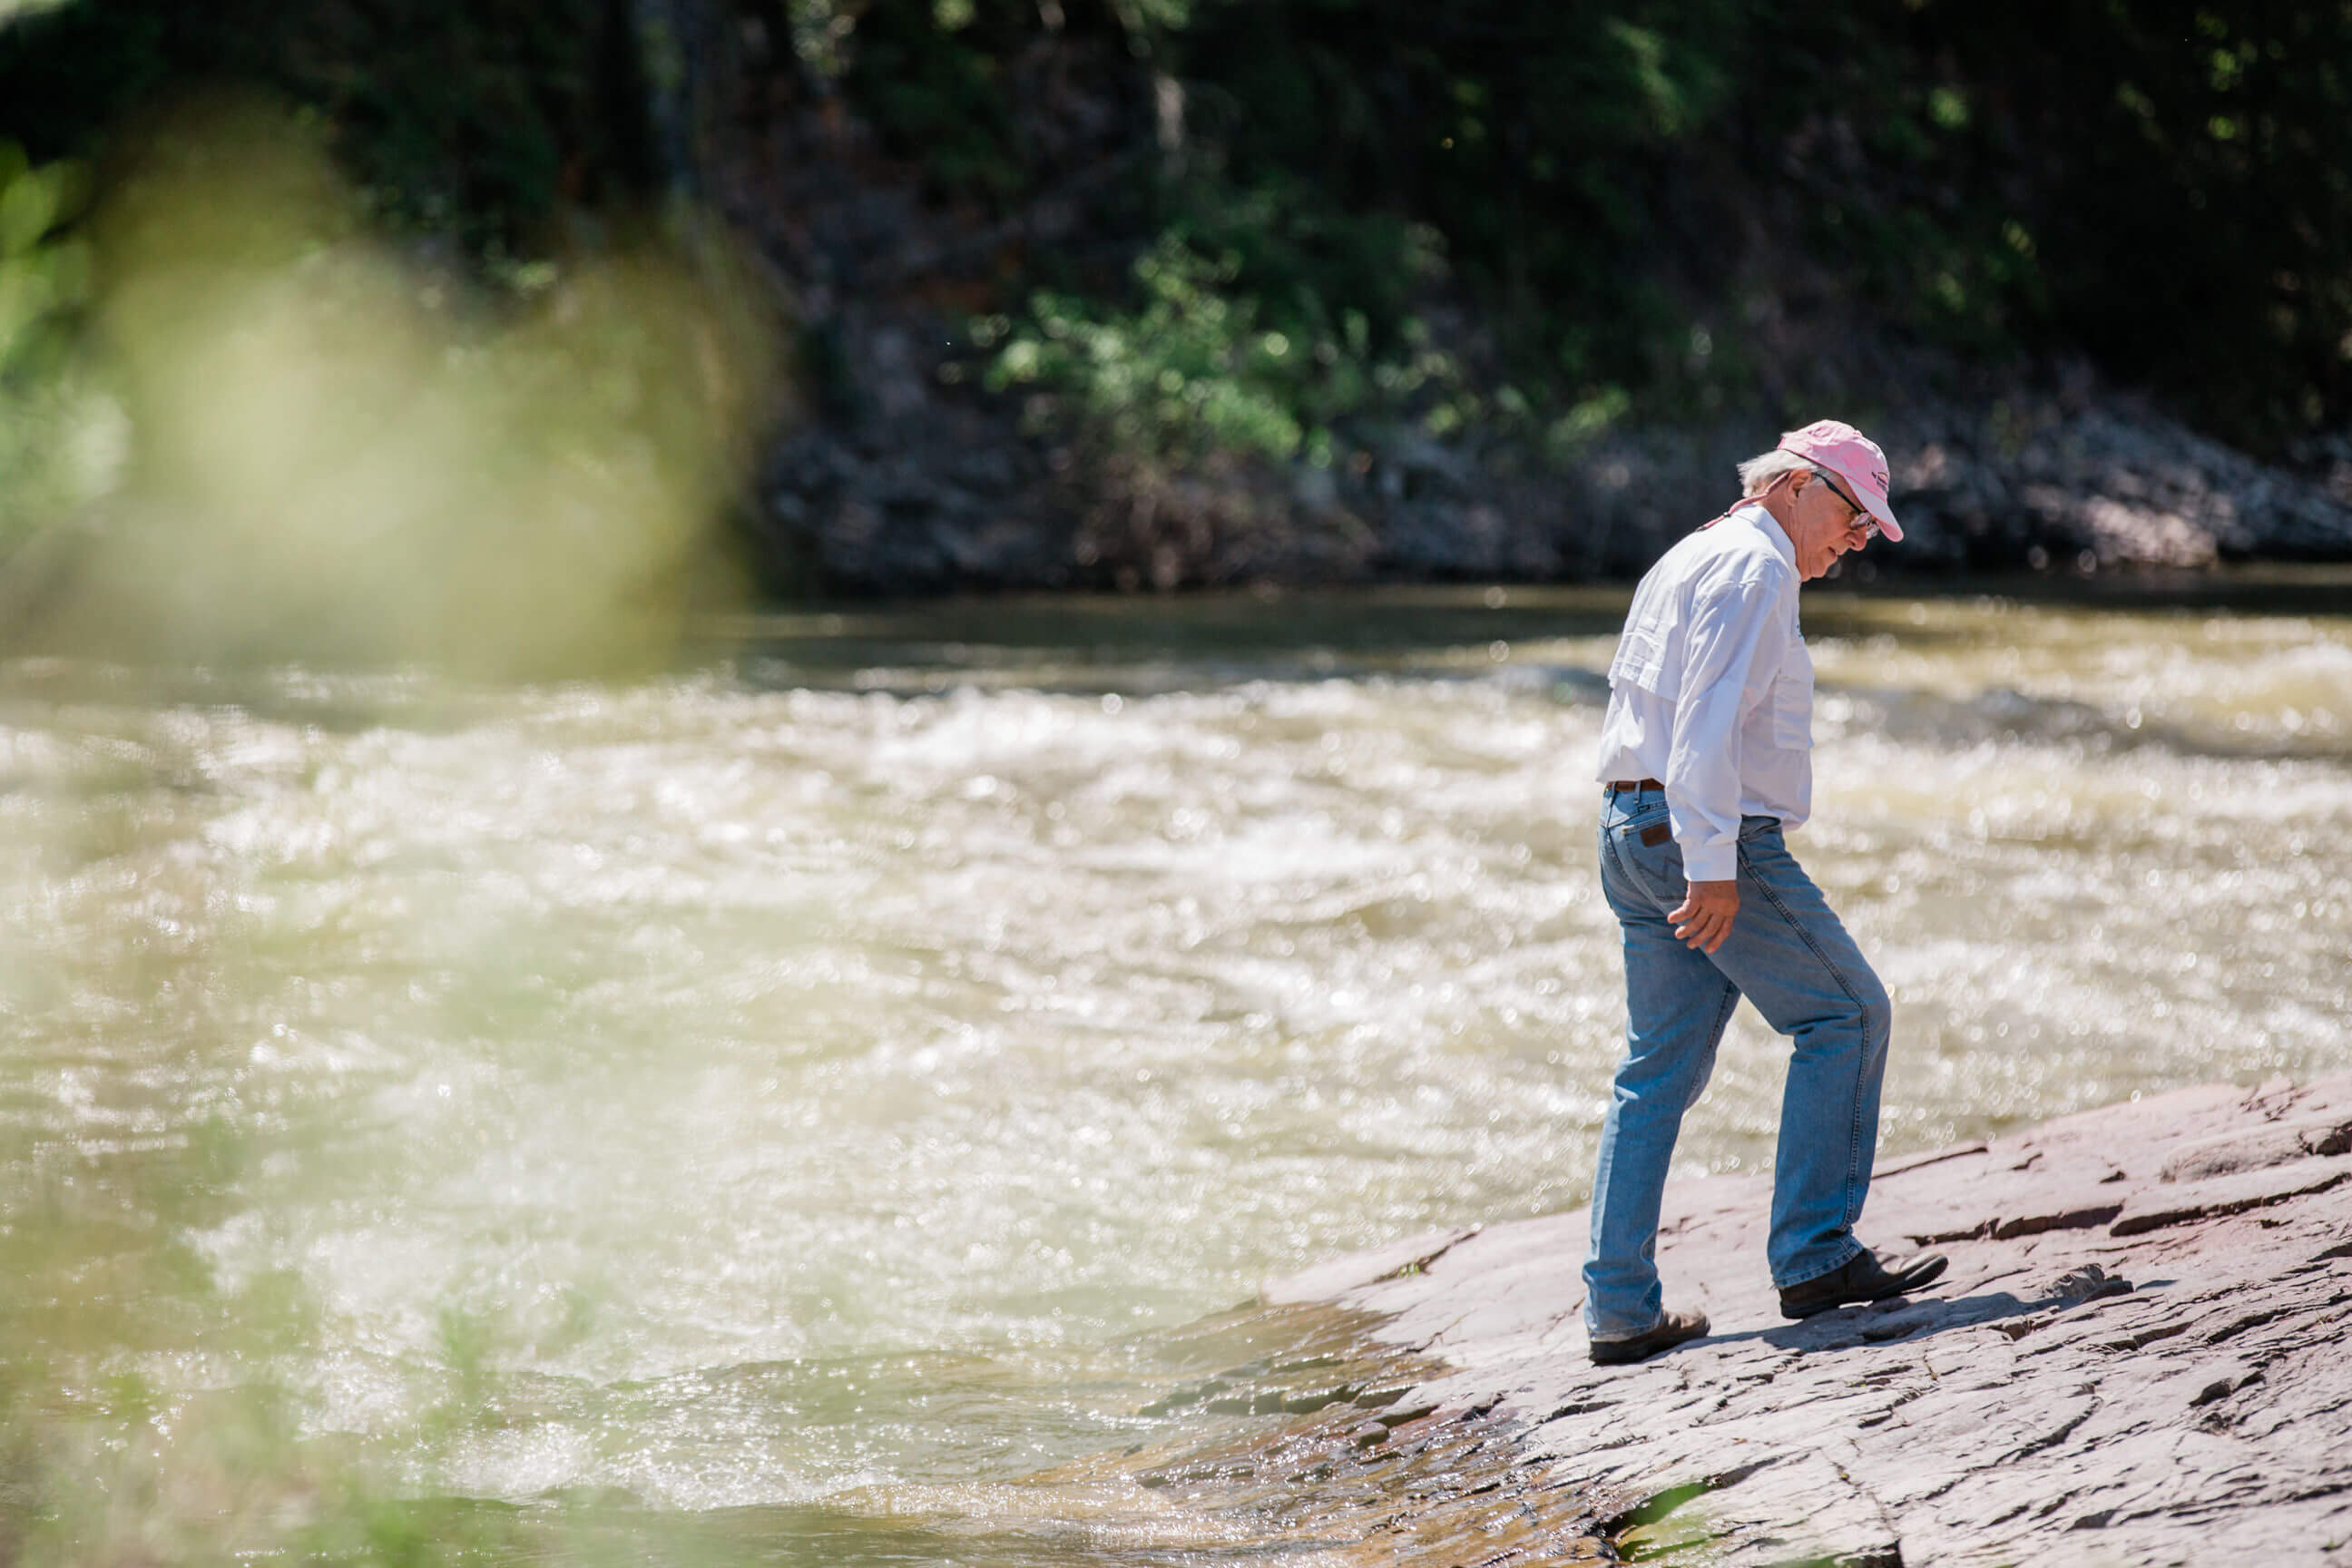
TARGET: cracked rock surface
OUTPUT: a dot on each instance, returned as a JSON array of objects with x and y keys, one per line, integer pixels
[{"x": 2142, "y": 1354}]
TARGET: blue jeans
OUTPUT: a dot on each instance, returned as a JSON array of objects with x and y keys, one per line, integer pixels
[{"x": 1790, "y": 955}]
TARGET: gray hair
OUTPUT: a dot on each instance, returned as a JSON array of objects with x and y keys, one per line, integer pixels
[{"x": 1757, "y": 473}]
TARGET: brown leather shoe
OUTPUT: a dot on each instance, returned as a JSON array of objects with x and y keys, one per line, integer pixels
[
  {"x": 1673, "y": 1328},
  {"x": 1861, "y": 1278}
]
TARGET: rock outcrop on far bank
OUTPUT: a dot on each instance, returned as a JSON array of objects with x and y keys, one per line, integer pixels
[
  {"x": 2142, "y": 1355},
  {"x": 906, "y": 474}
]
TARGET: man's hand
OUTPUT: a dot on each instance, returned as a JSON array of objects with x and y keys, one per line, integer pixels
[{"x": 1704, "y": 918}]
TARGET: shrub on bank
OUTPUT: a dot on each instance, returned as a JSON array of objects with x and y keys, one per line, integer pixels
[{"x": 1191, "y": 366}]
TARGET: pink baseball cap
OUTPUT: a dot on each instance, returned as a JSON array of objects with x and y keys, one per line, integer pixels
[{"x": 1852, "y": 457}]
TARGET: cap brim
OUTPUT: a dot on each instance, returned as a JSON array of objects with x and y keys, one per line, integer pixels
[{"x": 1887, "y": 523}]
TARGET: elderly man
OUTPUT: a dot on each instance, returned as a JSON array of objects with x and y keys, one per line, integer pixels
[{"x": 1706, "y": 758}]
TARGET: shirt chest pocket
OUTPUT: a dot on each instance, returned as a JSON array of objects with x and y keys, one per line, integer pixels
[
  {"x": 1792, "y": 700},
  {"x": 1649, "y": 660}
]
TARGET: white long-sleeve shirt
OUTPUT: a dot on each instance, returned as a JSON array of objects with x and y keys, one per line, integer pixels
[{"x": 1711, "y": 692}]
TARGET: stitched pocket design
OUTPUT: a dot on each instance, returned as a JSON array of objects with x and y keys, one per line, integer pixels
[{"x": 1655, "y": 863}]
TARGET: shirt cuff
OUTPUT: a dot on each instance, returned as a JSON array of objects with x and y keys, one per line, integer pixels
[{"x": 1717, "y": 863}]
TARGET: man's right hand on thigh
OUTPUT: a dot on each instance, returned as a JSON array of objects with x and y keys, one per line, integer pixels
[{"x": 1704, "y": 918}]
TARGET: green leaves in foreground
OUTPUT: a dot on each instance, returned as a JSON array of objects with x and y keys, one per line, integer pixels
[
  {"x": 44, "y": 275},
  {"x": 56, "y": 443}
]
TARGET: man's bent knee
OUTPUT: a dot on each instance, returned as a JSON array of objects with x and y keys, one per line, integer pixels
[{"x": 1877, "y": 1010}]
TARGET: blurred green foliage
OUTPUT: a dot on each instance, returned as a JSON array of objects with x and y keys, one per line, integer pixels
[
  {"x": 43, "y": 277},
  {"x": 47, "y": 453},
  {"x": 1630, "y": 196},
  {"x": 932, "y": 76},
  {"x": 1533, "y": 138},
  {"x": 1198, "y": 368},
  {"x": 1187, "y": 372},
  {"x": 479, "y": 120},
  {"x": 1628, "y": 187}
]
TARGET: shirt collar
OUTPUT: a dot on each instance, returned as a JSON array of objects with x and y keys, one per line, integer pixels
[{"x": 1764, "y": 523}]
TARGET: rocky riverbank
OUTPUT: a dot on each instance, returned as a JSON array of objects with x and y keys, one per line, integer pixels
[
  {"x": 2139, "y": 1356},
  {"x": 924, "y": 488},
  {"x": 905, "y": 474}
]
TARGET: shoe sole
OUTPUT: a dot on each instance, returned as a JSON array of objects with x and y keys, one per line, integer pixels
[
  {"x": 1645, "y": 1355},
  {"x": 1800, "y": 1315},
  {"x": 1630, "y": 1358}
]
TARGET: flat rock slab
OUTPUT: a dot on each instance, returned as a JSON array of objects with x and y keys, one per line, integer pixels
[{"x": 2122, "y": 1367}]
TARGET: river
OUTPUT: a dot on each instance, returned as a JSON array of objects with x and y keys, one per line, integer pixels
[{"x": 775, "y": 1111}]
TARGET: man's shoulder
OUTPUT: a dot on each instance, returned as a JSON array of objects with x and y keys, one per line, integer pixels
[
  {"x": 1741, "y": 561},
  {"x": 1730, "y": 561}
]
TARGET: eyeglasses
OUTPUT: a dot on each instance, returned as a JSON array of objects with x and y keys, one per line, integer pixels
[{"x": 1869, "y": 525}]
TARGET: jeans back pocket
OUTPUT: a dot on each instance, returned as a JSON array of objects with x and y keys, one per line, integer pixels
[{"x": 1644, "y": 846}]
